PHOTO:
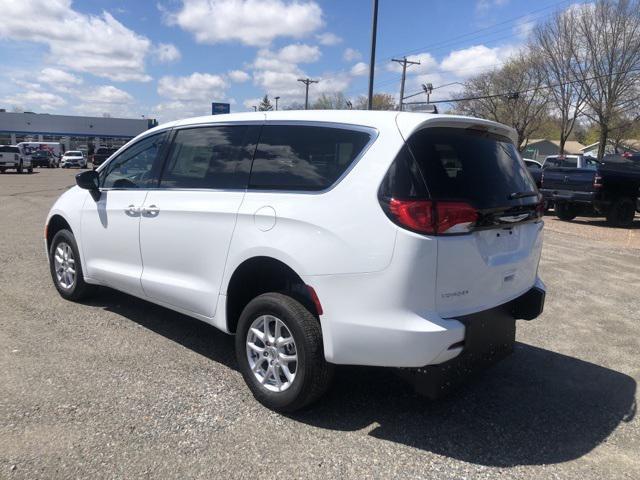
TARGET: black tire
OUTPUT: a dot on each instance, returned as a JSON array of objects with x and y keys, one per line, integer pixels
[
  {"x": 30, "y": 169},
  {"x": 79, "y": 289},
  {"x": 566, "y": 211},
  {"x": 312, "y": 374},
  {"x": 621, "y": 213},
  {"x": 19, "y": 169},
  {"x": 1, "y": 170}
]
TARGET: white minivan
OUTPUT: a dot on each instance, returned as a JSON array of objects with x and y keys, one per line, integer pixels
[{"x": 318, "y": 238}]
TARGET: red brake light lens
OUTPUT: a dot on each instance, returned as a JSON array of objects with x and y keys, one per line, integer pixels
[
  {"x": 426, "y": 216},
  {"x": 597, "y": 181}
]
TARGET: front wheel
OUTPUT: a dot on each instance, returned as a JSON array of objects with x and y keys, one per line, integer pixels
[
  {"x": 19, "y": 169},
  {"x": 65, "y": 267},
  {"x": 280, "y": 353}
]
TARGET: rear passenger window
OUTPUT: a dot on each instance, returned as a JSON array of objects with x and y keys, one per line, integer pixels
[
  {"x": 298, "y": 157},
  {"x": 211, "y": 157}
]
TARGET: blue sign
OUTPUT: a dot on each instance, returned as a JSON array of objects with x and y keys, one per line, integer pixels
[{"x": 220, "y": 108}]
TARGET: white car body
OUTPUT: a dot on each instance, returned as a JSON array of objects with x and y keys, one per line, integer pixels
[
  {"x": 389, "y": 296},
  {"x": 73, "y": 158}
]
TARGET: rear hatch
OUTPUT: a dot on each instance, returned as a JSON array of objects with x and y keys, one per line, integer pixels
[{"x": 487, "y": 213}]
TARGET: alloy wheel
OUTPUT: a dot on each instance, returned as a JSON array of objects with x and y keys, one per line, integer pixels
[{"x": 272, "y": 353}]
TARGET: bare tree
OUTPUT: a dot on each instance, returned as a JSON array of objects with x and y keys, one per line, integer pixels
[
  {"x": 381, "y": 101},
  {"x": 607, "y": 61},
  {"x": 513, "y": 95},
  {"x": 334, "y": 101},
  {"x": 554, "y": 43}
]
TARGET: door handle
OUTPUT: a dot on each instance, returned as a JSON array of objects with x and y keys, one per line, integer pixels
[
  {"x": 151, "y": 211},
  {"x": 132, "y": 210}
]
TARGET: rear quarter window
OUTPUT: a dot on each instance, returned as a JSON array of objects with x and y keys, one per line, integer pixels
[{"x": 302, "y": 157}]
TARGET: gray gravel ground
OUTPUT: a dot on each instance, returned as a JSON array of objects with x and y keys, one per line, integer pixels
[{"x": 120, "y": 388}]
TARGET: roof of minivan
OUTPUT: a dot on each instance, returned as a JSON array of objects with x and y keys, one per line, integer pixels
[{"x": 407, "y": 122}]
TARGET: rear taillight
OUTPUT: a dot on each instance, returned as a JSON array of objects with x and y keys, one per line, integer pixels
[
  {"x": 433, "y": 217},
  {"x": 597, "y": 181}
]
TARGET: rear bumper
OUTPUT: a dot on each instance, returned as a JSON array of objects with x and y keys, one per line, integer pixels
[
  {"x": 489, "y": 337},
  {"x": 569, "y": 196}
]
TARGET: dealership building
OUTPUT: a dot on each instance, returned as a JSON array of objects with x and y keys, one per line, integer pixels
[{"x": 72, "y": 132}]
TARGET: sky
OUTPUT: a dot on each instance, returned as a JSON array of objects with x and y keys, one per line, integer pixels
[{"x": 169, "y": 59}]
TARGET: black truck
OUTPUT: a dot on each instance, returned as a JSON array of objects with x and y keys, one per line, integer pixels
[
  {"x": 101, "y": 154},
  {"x": 587, "y": 187}
]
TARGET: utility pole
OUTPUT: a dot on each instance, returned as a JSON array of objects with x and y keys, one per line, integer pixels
[
  {"x": 307, "y": 82},
  {"x": 372, "y": 60},
  {"x": 404, "y": 62},
  {"x": 277, "y": 98}
]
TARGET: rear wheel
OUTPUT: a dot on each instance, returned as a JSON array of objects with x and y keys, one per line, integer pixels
[
  {"x": 1, "y": 170},
  {"x": 19, "y": 169},
  {"x": 566, "y": 211},
  {"x": 280, "y": 353},
  {"x": 65, "y": 267},
  {"x": 621, "y": 213},
  {"x": 30, "y": 169}
]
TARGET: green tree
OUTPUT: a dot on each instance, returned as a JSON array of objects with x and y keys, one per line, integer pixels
[{"x": 265, "y": 104}]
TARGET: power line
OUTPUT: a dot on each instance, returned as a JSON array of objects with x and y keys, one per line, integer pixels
[
  {"x": 516, "y": 94},
  {"x": 307, "y": 82}
]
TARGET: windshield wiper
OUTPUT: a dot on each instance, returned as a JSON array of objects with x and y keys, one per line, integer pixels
[{"x": 516, "y": 195}]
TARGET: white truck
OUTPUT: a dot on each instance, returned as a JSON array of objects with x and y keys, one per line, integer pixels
[
  {"x": 29, "y": 148},
  {"x": 11, "y": 157}
]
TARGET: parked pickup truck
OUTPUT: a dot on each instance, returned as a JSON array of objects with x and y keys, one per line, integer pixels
[
  {"x": 101, "y": 154},
  {"x": 584, "y": 186}
]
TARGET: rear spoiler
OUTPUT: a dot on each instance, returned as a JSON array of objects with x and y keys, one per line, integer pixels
[{"x": 408, "y": 123}]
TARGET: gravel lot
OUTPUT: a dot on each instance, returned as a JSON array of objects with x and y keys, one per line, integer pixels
[{"x": 119, "y": 388}]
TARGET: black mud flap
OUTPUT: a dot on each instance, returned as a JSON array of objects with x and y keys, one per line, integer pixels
[{"x": 489, "y": 337}]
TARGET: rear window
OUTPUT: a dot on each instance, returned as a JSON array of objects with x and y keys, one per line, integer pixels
[
  {"x": 571, "y": 162},
  {"x": 9, "y": 149},
  {"x": 478, "y": 167},
  {"x": 301, "y": 157},
  {"x": 73, "y": 154}
]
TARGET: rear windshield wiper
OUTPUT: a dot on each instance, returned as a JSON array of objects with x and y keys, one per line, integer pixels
[{"x": 516, "y": 195}]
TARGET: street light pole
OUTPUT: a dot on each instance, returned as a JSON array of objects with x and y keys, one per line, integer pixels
[
  {"x": 372, "y": 61},
  {"x": 277, "y": 98}
]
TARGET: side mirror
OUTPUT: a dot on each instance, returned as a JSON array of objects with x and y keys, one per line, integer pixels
[{"x": 89, "y": 180}]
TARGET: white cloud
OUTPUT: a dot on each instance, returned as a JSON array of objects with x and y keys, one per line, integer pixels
[
  {"x": 167, "y": 53},
  {"x": 252, "y": 22},
  {"x": 56, "y": 76},
  {"x": 250, "y": 102},
  {"x": 107, "y": 94},
  {"x": 175, "y": 110},
  {"x": 427, "y": 64},
  {"x": 35, "y": 100},
  {"x": 299, "y": 53},
  {"x": 351, "y": 54},
  {"x": 476, "y": 59},
  {"x": 329, "y": 39},
  {"x": 360, "y": 68},
  {"x": 524, "y": 27},
  {"x": 195, "y": 87},
  {"x": 238, "y": 76},
  {"x": 485, "y": 6},
  {"x": 99, "y": 45}
]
